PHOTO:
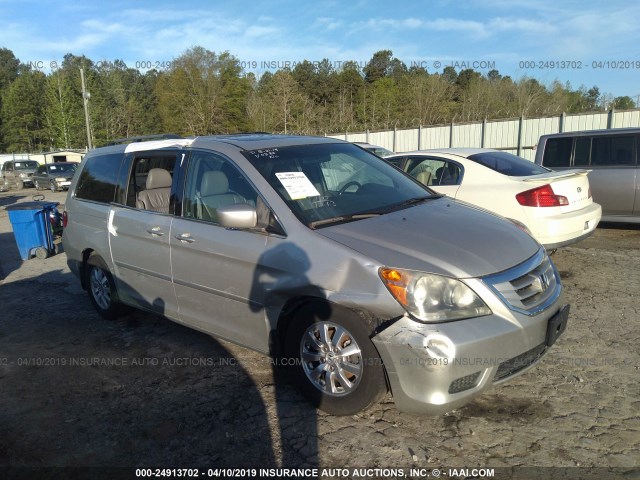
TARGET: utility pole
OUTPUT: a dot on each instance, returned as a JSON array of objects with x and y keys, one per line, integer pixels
[{"x": 85, "y": 99}]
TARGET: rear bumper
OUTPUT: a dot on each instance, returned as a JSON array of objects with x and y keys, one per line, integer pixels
[
  {"x": 567, "y": 228},
  {"x": 553, "y": 246}
]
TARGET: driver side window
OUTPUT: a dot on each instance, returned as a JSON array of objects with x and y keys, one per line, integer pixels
[{"x": 338, "y": 173}]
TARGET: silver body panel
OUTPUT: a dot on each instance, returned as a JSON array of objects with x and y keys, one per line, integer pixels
[{"x": 615, "y": 187}]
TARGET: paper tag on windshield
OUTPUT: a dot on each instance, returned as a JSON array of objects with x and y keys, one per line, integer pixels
[{"x": 297, "y": 185}]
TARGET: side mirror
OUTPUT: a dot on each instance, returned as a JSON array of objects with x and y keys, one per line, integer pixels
[{"x": 240, "y": 215}]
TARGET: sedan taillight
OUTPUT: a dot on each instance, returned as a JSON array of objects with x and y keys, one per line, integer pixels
[{"x": 541, "y": 197}]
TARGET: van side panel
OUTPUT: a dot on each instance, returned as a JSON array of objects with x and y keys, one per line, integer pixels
[{"x": 614, "y": 185}]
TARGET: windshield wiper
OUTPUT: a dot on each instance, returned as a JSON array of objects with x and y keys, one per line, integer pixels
[
  {"x": 413, "y": 201},
  {"x": 343, "y": 219}
]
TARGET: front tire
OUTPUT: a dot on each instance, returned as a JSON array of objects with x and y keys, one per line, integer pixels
[
  {"x": 102, "y": 288},
  {"x": 52, "y": 186},
  {"x": 36, "y": 184},
  {"x": 333, "y": 360}
]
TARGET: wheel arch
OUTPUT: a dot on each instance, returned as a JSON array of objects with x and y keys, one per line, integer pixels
[
  {"x": 373, "y": 324},
  {"x": 83, "y": 267}
]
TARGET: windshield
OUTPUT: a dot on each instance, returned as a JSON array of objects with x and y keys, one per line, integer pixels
[
  {"x": 26, "y": 165},
  {"x": 65, "y": 168},
  {"x": 508, "y": 164},
  {"x": 336, "y": 181}
]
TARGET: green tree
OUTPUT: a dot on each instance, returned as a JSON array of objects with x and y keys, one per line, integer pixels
[
  {"x": 425, "y": 99},
  {"x": 23, "y": 112},
  {"x": 623, "y": 103},
  {"x": 63, "y": 112},
  {"x": 9, "y": 67},
  {"x": 383, "y": 64},
  {"x": 202, "y": 93}
]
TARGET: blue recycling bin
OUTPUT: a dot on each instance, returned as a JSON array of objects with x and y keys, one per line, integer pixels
[{"x": 31, "y": 228}]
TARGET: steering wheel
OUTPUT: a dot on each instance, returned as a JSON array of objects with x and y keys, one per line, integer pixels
[{"x": 347, "y": 185}]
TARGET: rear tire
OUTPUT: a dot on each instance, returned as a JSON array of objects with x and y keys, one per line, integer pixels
[
  {"x": 332, "y": 359},
  {"x": 102, "y": 288}
]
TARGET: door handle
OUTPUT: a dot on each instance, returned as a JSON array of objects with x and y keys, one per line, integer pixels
[
  {"x": 186, "y": 237},
  {"x": 155, "y": 231}
]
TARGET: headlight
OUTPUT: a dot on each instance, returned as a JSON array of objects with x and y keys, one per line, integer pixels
[
  {"x": 433, "y": 298},
  {"x": 23, "y": 175},
  {"x": 60, "y": 179}
]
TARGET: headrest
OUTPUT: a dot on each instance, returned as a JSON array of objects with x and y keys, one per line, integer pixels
[
  {"x": 214, "y": 183},
  {"x": 158, "y": 178}
]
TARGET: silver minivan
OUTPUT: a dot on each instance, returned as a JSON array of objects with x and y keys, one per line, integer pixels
[
  {"x": 612, "y": 158},
  {"x": 348, "y": 272}
]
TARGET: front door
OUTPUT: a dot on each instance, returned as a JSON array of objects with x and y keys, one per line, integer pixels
[{"x": 214, "y": 268}]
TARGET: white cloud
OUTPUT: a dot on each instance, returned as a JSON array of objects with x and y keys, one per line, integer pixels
[{"x": 255, "y": 31}]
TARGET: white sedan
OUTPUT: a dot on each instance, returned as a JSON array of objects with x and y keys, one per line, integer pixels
[{"x": 556, "y": 207}]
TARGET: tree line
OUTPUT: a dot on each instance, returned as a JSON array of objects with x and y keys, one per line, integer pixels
[{"x": 203, "y": 92}]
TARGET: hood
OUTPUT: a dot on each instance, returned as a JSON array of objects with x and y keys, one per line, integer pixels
[{"x": 439, "y": 236}]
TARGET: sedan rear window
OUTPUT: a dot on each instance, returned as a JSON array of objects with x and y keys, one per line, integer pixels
[{"x": 507, "y": 164}]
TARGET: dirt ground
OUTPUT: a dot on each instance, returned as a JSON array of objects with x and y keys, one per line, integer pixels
[{"x": 143, "y": 392}]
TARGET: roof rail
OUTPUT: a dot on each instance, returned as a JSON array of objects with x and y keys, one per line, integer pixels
[{"x": 144, "y": 138}]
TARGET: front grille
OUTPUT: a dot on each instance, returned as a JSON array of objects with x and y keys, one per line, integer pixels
[
  {"x": 464, "y": 383},
  {"x": 515, "y": 364},
  {"x": 530, "y": 287}
]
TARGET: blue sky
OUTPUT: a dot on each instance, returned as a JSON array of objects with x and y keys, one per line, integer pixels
[{"x": 516, "y": 37}]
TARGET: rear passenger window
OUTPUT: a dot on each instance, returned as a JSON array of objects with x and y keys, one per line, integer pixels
[
  {"x": 613, "y": 151},
  {"x": 141, "y": 181},
  {"x": 97, "y": 181},
  {"x": 583, "y": 149},
  {"x": 557, "y": 152}
]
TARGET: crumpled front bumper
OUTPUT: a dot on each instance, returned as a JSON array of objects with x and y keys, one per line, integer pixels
[{"x": 435, "y": 368}]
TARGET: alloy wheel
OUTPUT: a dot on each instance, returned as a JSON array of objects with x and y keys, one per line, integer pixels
[{"x": 331, "y": 358}]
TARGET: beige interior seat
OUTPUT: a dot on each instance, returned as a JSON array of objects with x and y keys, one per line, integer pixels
[
  {"x": 215, "y": 193},
  {"x": 157, "y": 193}
]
